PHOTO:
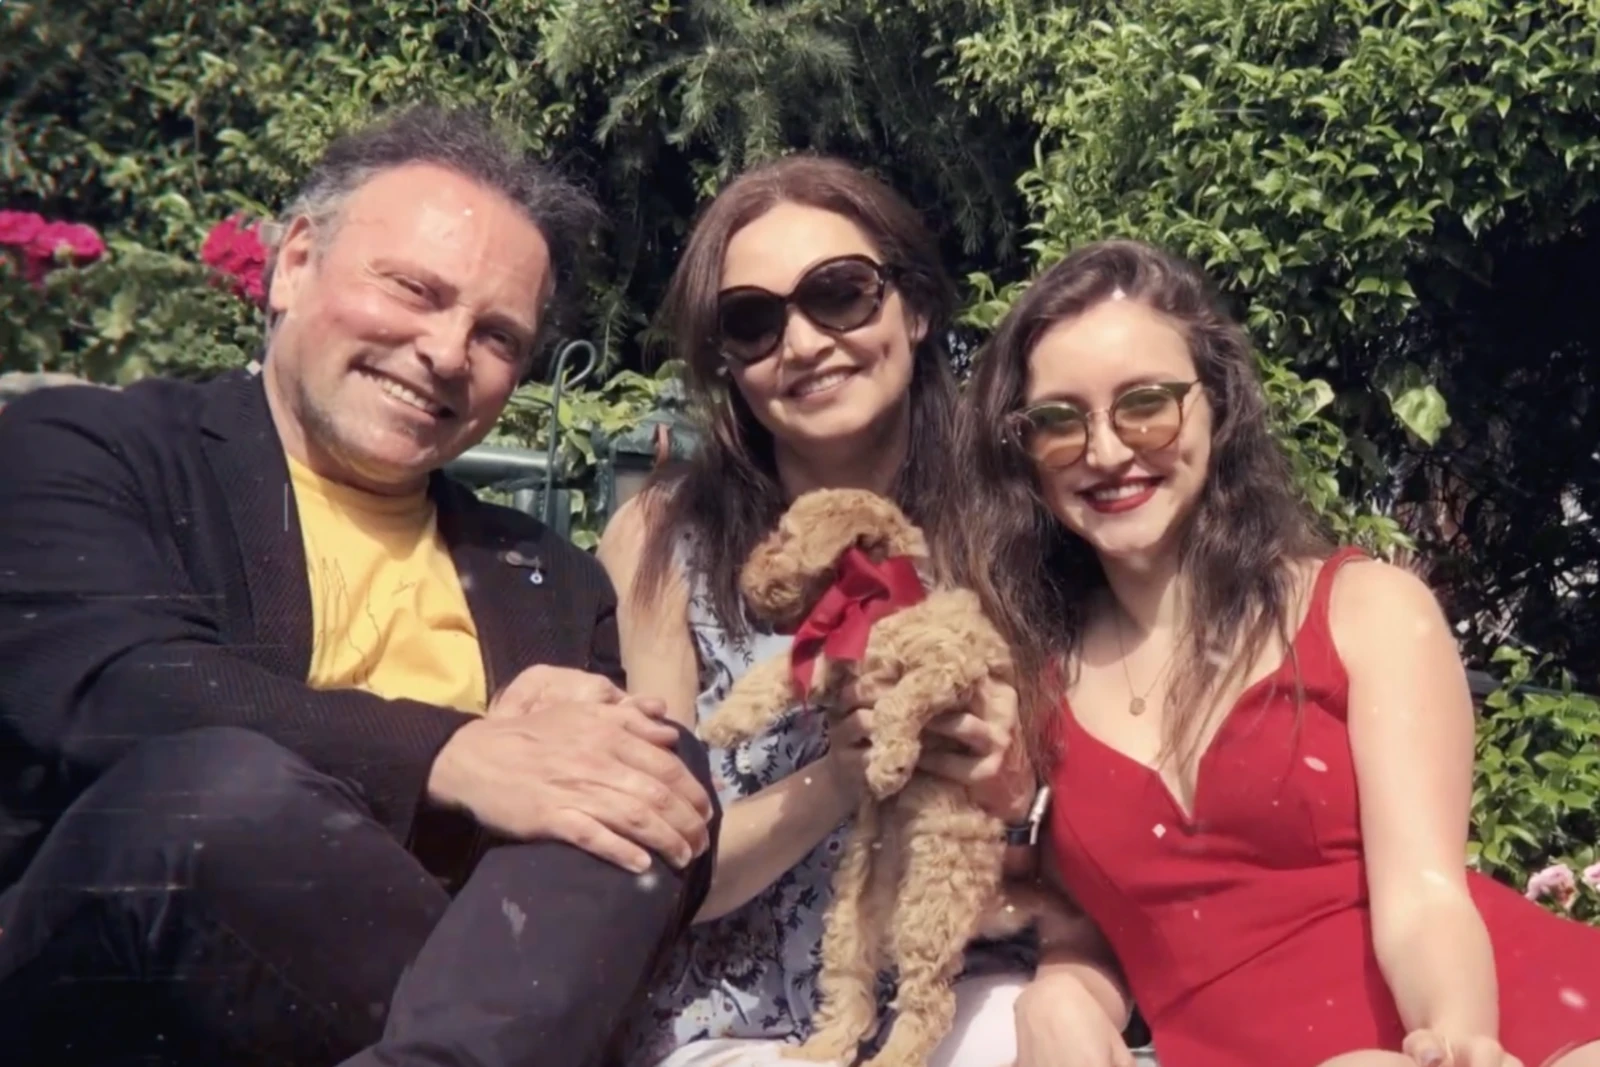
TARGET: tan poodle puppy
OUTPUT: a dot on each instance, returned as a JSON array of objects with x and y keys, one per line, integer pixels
[{"x": 921, "y": 873}]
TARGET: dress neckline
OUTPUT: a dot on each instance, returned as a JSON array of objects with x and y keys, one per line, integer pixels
[{"x": 1316, "y": 615}]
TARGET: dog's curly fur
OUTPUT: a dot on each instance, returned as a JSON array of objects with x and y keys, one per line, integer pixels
[{"x": 921, "y": 872}]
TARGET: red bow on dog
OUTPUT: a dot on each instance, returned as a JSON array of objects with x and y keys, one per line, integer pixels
[{"x": 862, "y": 593}]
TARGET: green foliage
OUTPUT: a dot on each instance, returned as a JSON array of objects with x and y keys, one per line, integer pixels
[
  {"x": 1315, "y": 154},
  {"x": 1538, "y": 774},
  {"x": 743, "y": 77},
  {"x": 1317, "y": 449},
  {"x": 136, "y": 312},
  {"x": 165, "y": 116},
  {"x": 586, "y": 418}
]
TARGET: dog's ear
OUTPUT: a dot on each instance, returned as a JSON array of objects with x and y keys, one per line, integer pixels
[{"x": 774, "y": 580}]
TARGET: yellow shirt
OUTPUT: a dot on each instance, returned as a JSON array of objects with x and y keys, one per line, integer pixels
[{"x": 388, "y": 613}]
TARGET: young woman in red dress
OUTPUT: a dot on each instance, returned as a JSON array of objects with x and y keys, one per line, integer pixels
[{"x": 1260, "y": 747}]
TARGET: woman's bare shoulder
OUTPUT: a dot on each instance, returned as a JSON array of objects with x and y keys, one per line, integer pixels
[{"x": 1380, "y": 606}]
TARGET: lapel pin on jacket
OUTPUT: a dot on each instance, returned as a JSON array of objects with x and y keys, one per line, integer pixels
[{"x": 518, "y": 558}]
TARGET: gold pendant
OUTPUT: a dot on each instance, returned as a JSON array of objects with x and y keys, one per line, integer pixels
[{"x": 1136, "y": 706}]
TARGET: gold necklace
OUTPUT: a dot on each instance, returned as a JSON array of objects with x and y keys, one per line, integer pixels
[{"x": 1136, "y": 702}]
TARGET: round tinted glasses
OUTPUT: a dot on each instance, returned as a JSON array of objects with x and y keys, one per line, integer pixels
[
  {"x": 837, "y": 295},
  {"x": 1056, "y": 434}
]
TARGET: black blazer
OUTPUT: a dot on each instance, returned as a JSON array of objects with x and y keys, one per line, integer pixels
[{"x": 153, "y": 579}]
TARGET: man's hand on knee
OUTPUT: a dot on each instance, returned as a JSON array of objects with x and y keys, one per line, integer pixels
[
  {"x": 543, "y": 686},
  {"x": 601, "y": 776}
]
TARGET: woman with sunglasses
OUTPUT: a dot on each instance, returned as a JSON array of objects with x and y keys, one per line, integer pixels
[
  {"x": 811, "y": 312},
  {"x": 1260, "y": 747}
]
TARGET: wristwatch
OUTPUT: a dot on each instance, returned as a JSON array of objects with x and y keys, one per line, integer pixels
[{"x": 1026, "y": 833}]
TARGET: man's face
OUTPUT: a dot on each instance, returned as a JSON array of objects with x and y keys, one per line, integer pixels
[{"x": 403, "y": 332}]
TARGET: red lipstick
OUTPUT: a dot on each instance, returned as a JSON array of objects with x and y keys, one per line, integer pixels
[{"x": 1115, "y": 498}]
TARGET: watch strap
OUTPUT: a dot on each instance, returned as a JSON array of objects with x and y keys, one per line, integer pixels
[{"x": 1026, "y": 833}]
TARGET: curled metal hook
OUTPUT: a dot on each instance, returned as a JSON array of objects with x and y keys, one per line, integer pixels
[{"x": 560, "y": 381}]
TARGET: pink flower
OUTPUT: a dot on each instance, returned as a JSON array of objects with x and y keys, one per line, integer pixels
[
  {"x": 81, "y": 244},
  {"x": 1591, "y": 876},
  {"x": 44, "y": 244},
  {"x": 17, "y": 228},
  {"x": 1555, "y": 881},
  {"x": 236, "y": 250}
]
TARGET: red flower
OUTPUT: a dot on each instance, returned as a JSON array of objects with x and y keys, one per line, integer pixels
[
  {"x": 17, "y": 228},
  {"x": 81, "y": 243},
  {"x": 45, "y": 244},
  {"x": 236, "y": 250}
]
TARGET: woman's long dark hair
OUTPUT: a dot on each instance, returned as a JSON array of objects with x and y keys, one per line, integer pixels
[
  {"x": 1250, "y": 525},
  {"x": 727, "y": 496}
]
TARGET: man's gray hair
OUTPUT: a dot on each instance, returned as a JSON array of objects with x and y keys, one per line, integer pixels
[{"x": 466, "y": 141}]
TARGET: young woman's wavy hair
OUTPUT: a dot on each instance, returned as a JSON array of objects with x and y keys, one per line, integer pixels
[
  {"x": 727, "y": 496},
  {"x": 1036, "y": 578}
]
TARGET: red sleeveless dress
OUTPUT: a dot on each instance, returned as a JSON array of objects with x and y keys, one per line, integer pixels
[{"x": 1244, "y": 931}]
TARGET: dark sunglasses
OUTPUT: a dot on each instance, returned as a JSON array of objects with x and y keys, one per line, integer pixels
[
  {"x": 1056, "y": 434},
  {"x": 837, "y": 295}
]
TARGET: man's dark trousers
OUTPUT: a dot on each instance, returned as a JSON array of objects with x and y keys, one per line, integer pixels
[{"x": 213, "y": 900}]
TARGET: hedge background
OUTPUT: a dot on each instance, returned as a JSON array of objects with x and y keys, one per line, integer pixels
[{"x": 1399, "y": 196}]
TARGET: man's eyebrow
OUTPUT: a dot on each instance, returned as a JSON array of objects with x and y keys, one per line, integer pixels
[
  {"x": 419, "y": 271},
  {"x": 521, "y": 329}
]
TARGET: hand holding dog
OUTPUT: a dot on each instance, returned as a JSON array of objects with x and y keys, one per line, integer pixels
[
  {"x": 846, "y": 761},
  {"x": 995, "y": 766}
]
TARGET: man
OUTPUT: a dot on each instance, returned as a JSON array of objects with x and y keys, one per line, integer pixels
[{"x": 271, "y": 686}]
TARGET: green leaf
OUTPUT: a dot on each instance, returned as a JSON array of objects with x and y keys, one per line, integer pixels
[
  {"x": 119, "y": 318},
  {"x": 1422, "y": 410},
  {"x": 1332, "y": 107},
  {"x": 1550, "y": 761},
  {"x": 1316, "y": 396},
  {"x": 1271, "y": 184}
]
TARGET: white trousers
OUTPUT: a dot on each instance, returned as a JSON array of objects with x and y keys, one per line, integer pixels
[{"x": 984, "y": 1033}]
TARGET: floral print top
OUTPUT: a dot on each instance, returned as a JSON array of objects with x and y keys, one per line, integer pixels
[{"x": 753, "y": 972}]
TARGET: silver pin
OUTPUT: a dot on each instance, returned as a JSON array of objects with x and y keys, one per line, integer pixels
[{"x": 534, "y": 564}]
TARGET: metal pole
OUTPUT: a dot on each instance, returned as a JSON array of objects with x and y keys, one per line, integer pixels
[{"x": 558, "y": 382}]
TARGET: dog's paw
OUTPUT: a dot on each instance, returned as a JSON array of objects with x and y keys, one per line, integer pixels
[
  {"x": 886, "y": 779},
  {"x": 718, "y": 734}
]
